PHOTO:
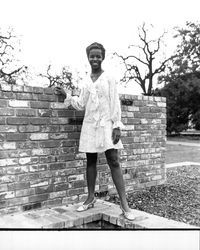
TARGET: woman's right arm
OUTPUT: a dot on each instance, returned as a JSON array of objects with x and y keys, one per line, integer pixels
[{"x": 77, "y": 102}]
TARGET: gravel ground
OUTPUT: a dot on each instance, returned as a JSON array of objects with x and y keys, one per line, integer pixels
[{"x": 177, "y": 199}]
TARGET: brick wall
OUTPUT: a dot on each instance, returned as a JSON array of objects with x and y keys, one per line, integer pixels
[{"x": 39, "y": 161}]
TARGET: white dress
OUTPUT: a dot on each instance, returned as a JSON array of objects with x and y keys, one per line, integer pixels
[{"x": 100, "y": 99}]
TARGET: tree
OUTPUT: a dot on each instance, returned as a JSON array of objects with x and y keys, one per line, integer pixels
[
  {"x": 144, "y": 61},
  {"x": 9, "y": 70},
  {"x": 182, "y": 81},
  {"x": 183, "y": 104},
  {"x": 65, "y": 79}
]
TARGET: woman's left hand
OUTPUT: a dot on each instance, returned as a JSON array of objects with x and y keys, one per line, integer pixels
[{"x": 116, "y": 135}]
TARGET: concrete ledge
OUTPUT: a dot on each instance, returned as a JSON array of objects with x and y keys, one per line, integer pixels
[
  {"x": 66, "y": 217},
  {"x": 182, "y": 164}
]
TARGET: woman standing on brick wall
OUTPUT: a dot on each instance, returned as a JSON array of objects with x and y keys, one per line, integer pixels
[{"x": 101, "y": 126}]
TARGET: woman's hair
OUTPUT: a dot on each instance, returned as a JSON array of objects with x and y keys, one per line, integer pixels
[{"x": 96, "y": 46}]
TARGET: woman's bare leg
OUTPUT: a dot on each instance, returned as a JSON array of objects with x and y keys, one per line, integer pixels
[
  {"x": 113, "y": 162},
  {"x": 91, "y": 174}
]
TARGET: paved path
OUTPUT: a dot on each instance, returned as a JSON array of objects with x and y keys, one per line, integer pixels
[
  {"x": 192, "y": 144},
  {"x": 61, "y": 217},
  {"x": 182, "y": 164}
]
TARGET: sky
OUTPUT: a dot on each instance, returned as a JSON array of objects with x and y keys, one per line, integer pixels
[
  {"x": 99, "y": 240},
  {"x": 58, "y": 31}
]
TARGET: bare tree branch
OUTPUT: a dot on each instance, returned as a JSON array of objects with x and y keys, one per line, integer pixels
[{"x": 133, "y": 71}]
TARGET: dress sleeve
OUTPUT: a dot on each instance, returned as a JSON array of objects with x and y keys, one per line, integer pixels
[
  {"x": 77, "y": 102},
  {"x": 115, "y": 105}
]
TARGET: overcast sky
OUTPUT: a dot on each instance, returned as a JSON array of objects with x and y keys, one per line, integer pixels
[{"x": 58, "y": 31}]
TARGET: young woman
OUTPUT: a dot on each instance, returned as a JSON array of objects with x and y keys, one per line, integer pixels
[{"x": 101, "y": 125}]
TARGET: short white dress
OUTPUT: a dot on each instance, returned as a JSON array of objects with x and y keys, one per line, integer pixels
[{"x": 100, "y": 99}]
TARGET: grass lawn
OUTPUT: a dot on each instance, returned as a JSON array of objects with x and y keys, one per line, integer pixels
[{"x": 180, "y": 153}]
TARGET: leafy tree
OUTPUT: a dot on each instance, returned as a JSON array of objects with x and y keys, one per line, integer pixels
[
  {"x": 143, "y": 60},
  {"x": 9, "y": 69},
  {"x": 183, "y": 106},
  {"x": 182, "y": 80}
]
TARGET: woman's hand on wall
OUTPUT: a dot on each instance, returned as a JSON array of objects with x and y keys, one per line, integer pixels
[{"x": 61, "y": 91}]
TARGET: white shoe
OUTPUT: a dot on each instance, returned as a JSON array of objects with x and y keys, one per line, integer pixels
[
  {"x": 86, "y": 207},
  {"x": 128, "y": 215}
]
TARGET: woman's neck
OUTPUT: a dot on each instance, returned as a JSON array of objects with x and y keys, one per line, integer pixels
[{"x": 97, "y": 71}]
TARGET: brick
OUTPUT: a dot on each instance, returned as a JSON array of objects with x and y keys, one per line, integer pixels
[
  {"x": 2, "y": 121},
  {"x": 57, "y": 166},
  {"x": 39, "y": 105},
  {"x": 50, "y": 144},
  {"x": 39, "y": 121},
  {"x": 6, "y": 112},
  {"x": 7, "y": 195},
  {"x": 3, "y": 103},
  {"x": 24, "y": 96},
  {"x": 25, "y": 160},
  {"x": 59, "y": 121},
  {"x": 43, "y": 97},
  {"x": 25, "y": 192},
  {"x": 75, "y": 178},
  {"x": 76, "y": 191},
  {"x": 6, "y": 87},
  {"x": 16, "y": 137},
  {"x": 28, "y": 89},
  {"x": 44, "y": 189},
  {"x": 48, "y": 91},
  {"x": 25, "y": 112},
  {"x": 64, "y": 113},
  {"x": 3, "y": 187},
  {"x": 17, "y": 170},
  {"x": 39, "y": 183},
  {"x": 18, "y": 103},
  {"x": 38, "y": 90},
  {"x": 8, "y": 145},
  {"x": 67, "y": 157},
  {"x": 39, "y": 197},
  {"x": 8, "y": 129},
  {"x": 57, "y": 194},
  {"x": 61, "y": 186},
  {"x": 39, "y": 136},
  {"x": 49, "y": 128},
  {"x": 79, "y": 184},
  {"x": 58, "y": 136},
  {"x": 29, "y": 128},
  {"x": 40, "y": 151},
  {"x": 8, "y": 162},
  {"x": 68, "y": 143},
  {"x": 47, "y": 159},
  {"x": 75, "y": 135},
  {"x": 7, "y": 95},
  {"x": 56, "y": 105},
  {"x": 17, "y": 186},
  {"x": 45, "y": 113},
  {"x": 17, "y": 88},
  {"x": 17, "y": 121},
  {"x": 27, "y": 144},
  {"x": 7, "y": 179}
]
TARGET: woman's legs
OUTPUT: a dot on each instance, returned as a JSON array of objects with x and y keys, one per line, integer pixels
[
  {"x": 91, "y": 174},
  {"x": 113, "y": 162}
]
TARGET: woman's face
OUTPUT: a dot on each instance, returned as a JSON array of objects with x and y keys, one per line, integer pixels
[{"x": 95, "y": 58}]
